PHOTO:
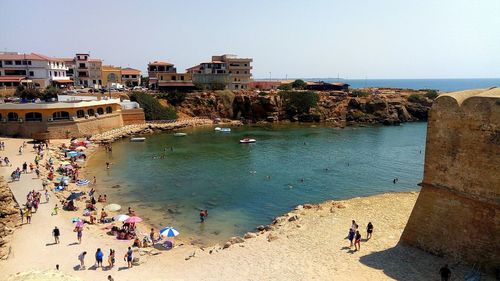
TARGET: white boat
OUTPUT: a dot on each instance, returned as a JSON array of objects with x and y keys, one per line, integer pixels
[
  {"x": 217, "y": 129},
  {"x": 225, "y": 130},
  {"x": 138, "y": 139},
  {"x": 247, "y": 140},
  {"x": 180, "y": 134}
]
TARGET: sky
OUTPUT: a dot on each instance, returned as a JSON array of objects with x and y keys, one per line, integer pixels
[{"x": 363, "y": 39}]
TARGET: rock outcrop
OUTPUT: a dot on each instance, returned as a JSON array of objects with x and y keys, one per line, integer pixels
[
  {"x": 335, "y": 107},
  {"x": 9, "y": 218}
]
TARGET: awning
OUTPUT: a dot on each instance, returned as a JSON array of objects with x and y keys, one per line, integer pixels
[
  {"x": 175, "y": 84},
  {"x": 11, "y": 78},
  {"x": 63, "y": 81}
]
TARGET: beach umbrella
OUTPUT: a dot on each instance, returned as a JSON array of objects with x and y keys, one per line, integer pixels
[
  {"x": 73, "y": 220},
  {"x": 133, "y": 219},
  {"x": 169, "y": 231},
  {"x": 62, "y": 178},
  {"x": 64, "y": 163},
  {"x": 72, "y": 154},
  {"x": 113, "y": 207},
  {"x": 74, "y": 196},
  {"x": 121, "y": 217},
  {"x": 82, "y": 182},
  {"x": 81, "y": 148}
]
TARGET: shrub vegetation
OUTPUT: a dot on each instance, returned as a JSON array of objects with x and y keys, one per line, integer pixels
[
  {"x": 299, "y": 102},
  {"x": 153, "y": 110}
]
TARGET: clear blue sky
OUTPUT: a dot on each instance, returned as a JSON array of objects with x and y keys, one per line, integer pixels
[{"x": 323, "y": 38}]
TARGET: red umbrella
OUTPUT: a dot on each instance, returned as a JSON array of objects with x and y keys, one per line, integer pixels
[{"x": 133, "y": 220}]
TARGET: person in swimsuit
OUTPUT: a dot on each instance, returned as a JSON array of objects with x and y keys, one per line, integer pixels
[
  {"x": 79, "y": 234},
  {"x": 357, "y": 241},
  {"x": 351, "y": 236},
  {"x": 81, "y": 258},
  {"x": 128, "y": 257},
  {"x": 98, "y": 257},
  {"x": 111, "y": 259},
  {"x": 369, "y": 230}
]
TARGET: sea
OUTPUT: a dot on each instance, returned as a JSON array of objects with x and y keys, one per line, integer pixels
[
  {"x": 169, "y": 179},
  {"x": 443, "y": 85}
]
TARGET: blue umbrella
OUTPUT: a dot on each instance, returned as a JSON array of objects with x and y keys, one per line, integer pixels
[
  {"x": 169, "y": 231},
  {"x": 72, "y": 154},
  {"x": 74, "y": 196},
  {"x": 82, "y": 182}
]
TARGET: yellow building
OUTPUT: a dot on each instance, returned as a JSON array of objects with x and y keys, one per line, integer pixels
[{"x": 111, "y": 74}]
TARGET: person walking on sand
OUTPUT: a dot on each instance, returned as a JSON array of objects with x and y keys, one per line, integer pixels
[
  {"x": 21, "y": 212},
  {"x": 25, "y": 168},
  {"x": 129, "y": 257},
  {"x": 98, "y": 257},
  {"x": 357, "y": 241},
  {"x": 56, "y": 233},
  {"x": 111, "y": 258},
  {"x": 28, "y": 215},
  {"x": 47, "y": 196},
  {"x": 445, "y": 273},
  {"x": 54, "y": 212},
  {"x": 79, "y": 234},
  {"x": 350, "y": 236},
  {"x": 81, "y": 258},
  {"x": 369, "y": 230}
]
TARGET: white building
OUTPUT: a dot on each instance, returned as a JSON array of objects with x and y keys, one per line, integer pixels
[{"x": 36, "y": 69}]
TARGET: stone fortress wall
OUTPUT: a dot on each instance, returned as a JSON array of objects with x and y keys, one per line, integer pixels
[{"x": 457, "y": 211}]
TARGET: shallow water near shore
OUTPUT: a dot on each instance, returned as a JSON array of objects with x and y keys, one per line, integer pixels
[{"x": 243, "y": 186}]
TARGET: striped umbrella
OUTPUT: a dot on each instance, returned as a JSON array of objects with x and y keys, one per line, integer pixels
[
  {"x": 82, "y": 182},
  {"x": 169, "y": 231}
]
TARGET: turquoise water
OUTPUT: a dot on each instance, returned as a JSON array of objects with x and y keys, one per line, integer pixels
[{"x": 243, "y": 186}]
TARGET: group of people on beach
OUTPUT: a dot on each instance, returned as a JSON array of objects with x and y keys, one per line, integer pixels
[
  {"x": 99, "y": 257},
  {"x": 354, "y": 235}
]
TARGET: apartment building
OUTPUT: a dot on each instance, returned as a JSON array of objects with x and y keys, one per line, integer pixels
[
  {"x": 32, "y": 69},
  {"x": 111, "y": 74},
  {"x": 225, "y": 71},
  {"x": 87, "y": 71},
  {"x": 131, "y": 77}
]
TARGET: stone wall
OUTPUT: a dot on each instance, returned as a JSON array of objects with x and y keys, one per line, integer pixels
[
  {"x": 133, "y": 116},
  {"x": 9, "y": 218},
  {"x": 457, "y": 212}
]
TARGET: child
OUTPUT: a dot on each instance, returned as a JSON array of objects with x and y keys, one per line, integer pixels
[
  {"x": 357, "y": 241},
  {"x": 54, "y": 212}
]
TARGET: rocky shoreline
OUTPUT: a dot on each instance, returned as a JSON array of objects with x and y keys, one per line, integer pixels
[{"x": 9, "y": 218}]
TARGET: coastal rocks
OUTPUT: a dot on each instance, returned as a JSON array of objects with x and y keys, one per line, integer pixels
[
  {"x": 9, "y": 218},
  {"x": 249, "y": 235},
  {"x": 236, "y": 240},
  {"x": 227, "y": 245},
  {"x": 271, "y": 237},
  {"x": 293, "y": 218}
]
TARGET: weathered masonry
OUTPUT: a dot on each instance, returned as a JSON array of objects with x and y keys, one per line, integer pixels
[{"x": 457, "y": 212}]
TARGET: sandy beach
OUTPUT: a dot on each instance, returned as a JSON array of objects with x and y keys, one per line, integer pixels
[{"x": 309, "y": 243}]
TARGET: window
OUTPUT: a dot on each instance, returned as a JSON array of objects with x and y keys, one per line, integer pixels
[
  {"x": 25, "y": 62},
  {"x": 12, "y": 116},
  {"x": 15, "y": 72},
  {"x": 82, "y": 65},
  {"x": 18, "y": 62},
  {"x": 174, "y": 77},
  {"x": 93, "y": 81},
  {"x": 90, "y": 112},
  {"x": 100, "y": 111},
  {"x": 60, "y": 115},
  {"x": 246, "y": 64},
  {"x": 8, "y": 62},
  {"x": 245, "y": 72},
  {"x": 230, "y": 72},
  {"x": 50, "y": 73},
  {"x": 182, "y": 77},
  {"x": 80, "y": 113},
  {"x": 109, "y": 109},
  {"x": 237, "y": 72},
  {"x": 32, "y": 73},
  {"x": 33, "y": 116},
  {"x": 29, "y": 62}
]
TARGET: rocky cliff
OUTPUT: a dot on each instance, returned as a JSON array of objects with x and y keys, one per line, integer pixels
[
  {"x": 336, "y": 107},
  {"x": 9, "y": 217}
]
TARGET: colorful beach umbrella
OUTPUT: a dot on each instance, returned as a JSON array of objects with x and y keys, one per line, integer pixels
[
  {"x": 72, "y": 154},
  {"x": 81, "y": 148},
  {"x": 169, "y": 231},
  {"x": 113, "y": 207},
  {"x": 133, "y": 219},
  {"x": 121, "y": 217}
]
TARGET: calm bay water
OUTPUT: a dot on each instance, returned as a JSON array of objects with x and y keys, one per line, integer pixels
[{"x": 243, "y": 186}]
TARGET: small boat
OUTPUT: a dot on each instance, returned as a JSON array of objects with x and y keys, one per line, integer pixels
[
  {"x": 138, "y": 139},
  {"x": 180, "y": 134},
  {"x": 247, "y": 140},
  {"x": 217, "y": 129},
  {"x": 226, "y": 130}
]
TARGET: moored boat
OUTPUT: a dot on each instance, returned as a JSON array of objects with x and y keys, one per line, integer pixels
[
  {"x": 246, "y": 140},
  {"x": 217, "y": 129},
  {"x": 180, "y": 134},
  {"x": 137, "y": 139},
  {"x": 226, "y": 130}
]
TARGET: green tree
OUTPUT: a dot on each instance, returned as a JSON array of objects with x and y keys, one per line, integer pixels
[
  {"x": 50, "y": 92},
  {"x": 415, "y": 98},
  {"x": 28, "y": 93},
  {"x": 285, "y": 87},
  {"x": 298, "y": 84},
  {"x": 153, "y": 110},
  {"x": 299, "y": 102},
  {"x": 432, "y": 94}
]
